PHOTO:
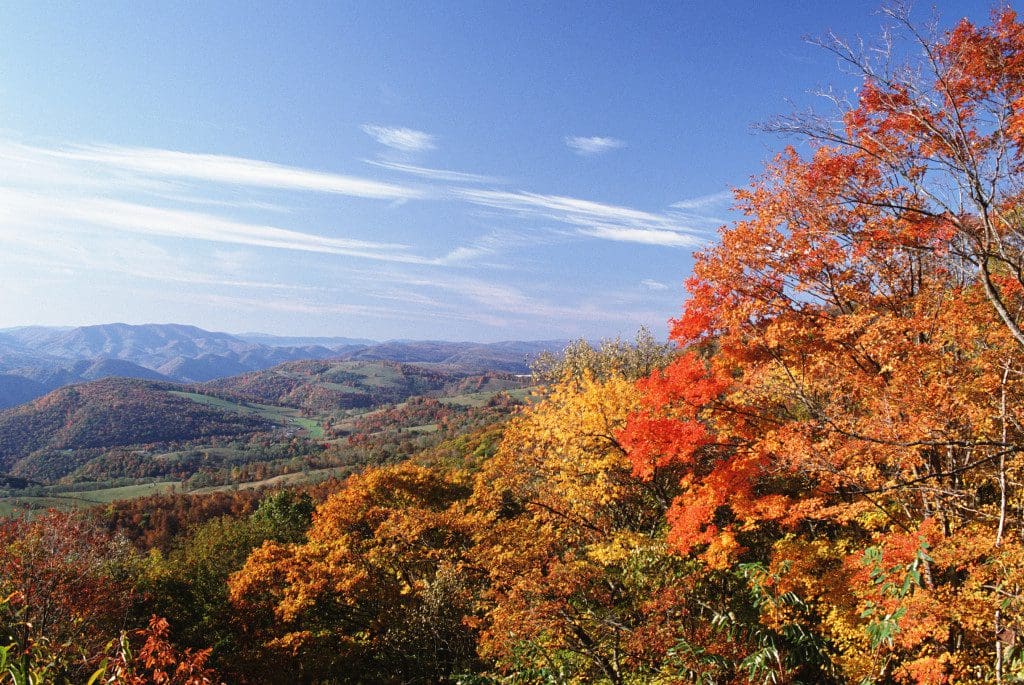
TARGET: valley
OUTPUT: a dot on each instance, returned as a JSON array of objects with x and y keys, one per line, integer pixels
[{"x": 294, "y": 424}]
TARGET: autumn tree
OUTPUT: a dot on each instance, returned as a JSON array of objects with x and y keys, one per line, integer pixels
[
  {"x": 581, "y": 586},
  {"x": 156, "y": 521},
  {"x": 613, "y": 357},
  {"x": 378, "y": 592},
  {"x": 146, "y": 655},
  {"x": 855, "y": 439},
  {"x": 66, "y": 589},
  {"x": 188, "y": 585}
]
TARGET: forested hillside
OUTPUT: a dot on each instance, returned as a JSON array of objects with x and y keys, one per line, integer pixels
[
  {"x": 301, "y": 421},
  {"x": 819, "y": 480},
  {"x": 110, "y": 413},
  {"x": 320, "y": 386}
]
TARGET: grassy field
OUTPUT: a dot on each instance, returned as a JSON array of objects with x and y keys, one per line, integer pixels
[
  {"x": 67, "y": 501},
  {"x": 340, "y": 387},
  {"x": 425, "y": 428},
  {"x": 54, "y": 499},
  {"x": 373, "y": 374},
  {"x": 284, "y": 416},
  {"x": 479, "y": 399}
]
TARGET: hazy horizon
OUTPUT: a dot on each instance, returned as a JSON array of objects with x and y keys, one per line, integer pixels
[{"x": 299, "y": 336}]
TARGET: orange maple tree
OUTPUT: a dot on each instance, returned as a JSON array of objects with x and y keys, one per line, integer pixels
[{"x": 854, "y": 424}]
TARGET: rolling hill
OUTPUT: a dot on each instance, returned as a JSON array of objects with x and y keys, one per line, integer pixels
[
  {"x": 328, "y": 386},
  {"x": 37, "y": 359},
  {"x": 110, "y": 427},
  {"x": 37, "y": 379},
  {"x": 112, "y": 412}
]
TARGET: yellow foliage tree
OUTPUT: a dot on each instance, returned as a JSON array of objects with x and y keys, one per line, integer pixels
[{"x": 379, "y": 589}]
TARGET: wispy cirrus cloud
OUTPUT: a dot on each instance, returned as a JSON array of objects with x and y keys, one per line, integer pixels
[
  {"x": 503, "y": 304},
  {"x": 707, "y": 212},
  {"x": 401, "y": 139},
  {"x": 93, "y": 255},
  {"x": 29, "y": 166},
  {"x": 228, "y": 170},
  {"x": 493, "y": 243},
  {"x": 233, "y": 228},
  {"x": 645, "y": 236},
  {"x": 720, "y": 200},
  {"x": 197, "y": 200},
  {"x": 652, "y": 284},
  {"x": 21, "y": 209},
  {"x": 58, "y": 190},
  {"x": 595, "y": 219},
  {"x": 303, "y": 307},
  {"x": 593, "y": 145},
  {"x": 434, "y": 174}
]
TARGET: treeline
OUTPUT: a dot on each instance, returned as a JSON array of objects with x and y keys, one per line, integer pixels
[{"x": 227, "y": 460}]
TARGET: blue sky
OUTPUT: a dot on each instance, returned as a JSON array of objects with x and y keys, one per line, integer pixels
[{"x": 472, "y": 170}]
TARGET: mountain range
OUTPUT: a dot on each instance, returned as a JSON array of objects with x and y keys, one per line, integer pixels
[{"x": 36, "y": 359}]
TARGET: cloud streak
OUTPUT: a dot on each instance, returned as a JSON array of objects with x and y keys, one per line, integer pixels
[
  {"x": 402, "y": 139},
  {"x": 717, "y": 200},
  {"x": 435, "y": 174},
  {"x": 644, "y": 236},
  {"x": 593, "y": 145},
  {"x": 28, "y": 209},
  {"x": 70, "y": 188},
  {"x": 595, "y": 219},
  {"x": 137, "y": 214},
  {"x": 505, "y": 305},
  {"x": 227, "y": 170}
]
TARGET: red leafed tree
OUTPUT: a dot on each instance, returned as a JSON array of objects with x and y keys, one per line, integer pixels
[
  {"x": 157, "y": 660},
  {"x": 67, "y": 585},
  {"x": 853, "y": 424}
]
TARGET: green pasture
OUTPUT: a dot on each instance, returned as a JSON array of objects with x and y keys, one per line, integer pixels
[{"x": 284, "y": 416}]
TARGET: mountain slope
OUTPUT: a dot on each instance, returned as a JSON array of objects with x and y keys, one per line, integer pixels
[
  {"x": 35, "y": 380},
  {"x": 112, "y": 412},
  {"x": 120, "y": 368},
  {"x": 53, "y": 356},
  {"x": 513, "y": 356},
  {"x": 327, "y": 386},
  {"x": 141, "y": 344}
]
